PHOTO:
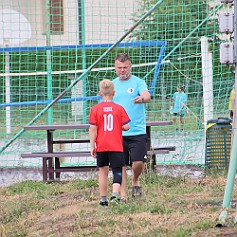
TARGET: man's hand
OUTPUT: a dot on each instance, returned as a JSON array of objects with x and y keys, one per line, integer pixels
[
  {"x": 139, "y": 100},
  {"x": 180, "y": 111}
]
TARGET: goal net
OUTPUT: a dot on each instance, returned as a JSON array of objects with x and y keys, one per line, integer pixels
[{"x": 46, "y": 46}]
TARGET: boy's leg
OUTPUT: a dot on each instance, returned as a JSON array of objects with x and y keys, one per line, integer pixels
[
  {"x": 116, "y": 189},
  {"x": 103, "y": 164},
  {"x": 117, "y": 163},
  {"x": 117, "y": 180},
  {"x": 103, "y": 180}
]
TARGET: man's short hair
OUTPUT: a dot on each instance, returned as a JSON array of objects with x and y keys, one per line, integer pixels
[
  {"x": 122, "y": 57},
  {"x": 181, "y": 87}
]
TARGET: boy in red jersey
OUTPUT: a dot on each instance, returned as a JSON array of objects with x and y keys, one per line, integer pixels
[{"x": 107, "y": 120}]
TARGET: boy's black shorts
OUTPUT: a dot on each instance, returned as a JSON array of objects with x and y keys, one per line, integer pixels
[
  {"x": 110, "y": 158},
  {"x": 135, "y": 148}
]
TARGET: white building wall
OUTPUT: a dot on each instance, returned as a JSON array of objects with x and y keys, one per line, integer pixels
[
  {"x": 28, "y": 9},
  {"x": 71, "y": 34},
  {"x": 105, "y": 20}
]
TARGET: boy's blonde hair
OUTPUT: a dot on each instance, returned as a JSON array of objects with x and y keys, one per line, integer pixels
[{"x": 106, "y": 87}]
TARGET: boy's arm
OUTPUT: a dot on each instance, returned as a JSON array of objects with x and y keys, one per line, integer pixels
[
  {"x": 126, "y": 127},
  {"x": 93, "y": 135}
]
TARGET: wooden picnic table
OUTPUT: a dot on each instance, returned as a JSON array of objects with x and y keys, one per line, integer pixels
[{"x": 51, "y": 162}]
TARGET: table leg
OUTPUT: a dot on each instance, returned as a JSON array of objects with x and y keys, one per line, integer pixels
[
  {"x": 148, "y": 132},
  {"x": 45, "y": 169},
  {"x": 57, "y": 166},
  {"x": 50, "y": 150},
  {"x": 150, "y": 157},
  {"x": 51, "y": 168}
]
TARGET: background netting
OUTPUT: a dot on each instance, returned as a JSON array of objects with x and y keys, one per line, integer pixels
[{"x": 47, "y": 45}]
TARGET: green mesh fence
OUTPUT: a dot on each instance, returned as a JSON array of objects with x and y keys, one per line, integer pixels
[{"x": 46, "y": 45}]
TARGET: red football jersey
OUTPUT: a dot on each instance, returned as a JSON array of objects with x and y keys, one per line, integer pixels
[{"x": 109, "y": 118}]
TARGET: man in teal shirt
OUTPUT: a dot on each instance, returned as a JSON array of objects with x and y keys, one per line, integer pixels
[
  {"x": 180, "y": 100},
  {"x": 132, "y": 93}
]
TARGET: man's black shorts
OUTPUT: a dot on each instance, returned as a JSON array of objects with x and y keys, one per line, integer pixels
[
  {"x": 180, "y": 115},
  {"x": 110, "y": 158},
  {"x": 135, "y": 148}
]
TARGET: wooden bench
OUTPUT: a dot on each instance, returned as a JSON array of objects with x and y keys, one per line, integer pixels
[
  {"x": 51, "y": 166},
  {"x": 50, "y": 159},
  {"x": 156, "y": 151}
]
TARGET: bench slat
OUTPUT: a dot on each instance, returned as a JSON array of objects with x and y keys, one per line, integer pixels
[
  {"x": 57, "y": 154},
  {"x": 75, "y": 169},
  {"x": 158, "y": 152},
  {"x": 161, "y": 150},
  {"x": 169, "y": 148},
  {"x": 63, "y": 141}
]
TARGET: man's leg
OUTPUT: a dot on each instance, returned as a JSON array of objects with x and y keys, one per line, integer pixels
[
  {"x": 174, "y": 120},
  {"x": 174, "y": 123},
  {"x": 138, "y": 152},
  {"x": 123, "y": 186},
  {"x": 182, "y": 122},
  {"x": 137, "y": 167}
]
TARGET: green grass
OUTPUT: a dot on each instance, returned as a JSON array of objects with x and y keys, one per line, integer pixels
[{"x": 170, "y": 207}]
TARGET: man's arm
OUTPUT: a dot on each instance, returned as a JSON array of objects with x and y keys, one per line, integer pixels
[
  {"x": 183, "y": 104},
  {"x": 144, "y": 97}
]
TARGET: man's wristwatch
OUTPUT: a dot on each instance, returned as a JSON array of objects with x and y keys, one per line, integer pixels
[{"x": 143, "y": 100}]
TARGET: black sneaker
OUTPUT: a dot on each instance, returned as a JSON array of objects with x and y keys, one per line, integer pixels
[
  {"x": 104, "y": 204},
  {"x": 115, "y": 200},
  {"x": 136, "y": 191}
]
